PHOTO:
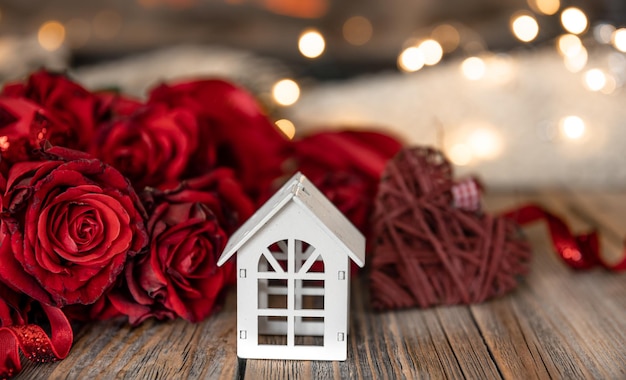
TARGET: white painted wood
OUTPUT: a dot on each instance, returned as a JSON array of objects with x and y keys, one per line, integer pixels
[
  {"x": 294, "y": 310},
  {"x": 301, "y": 190}
]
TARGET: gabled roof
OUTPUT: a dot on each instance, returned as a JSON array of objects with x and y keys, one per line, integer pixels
[{"x": 301, "y": 191}]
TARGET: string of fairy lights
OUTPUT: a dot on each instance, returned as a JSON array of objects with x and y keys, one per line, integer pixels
[
  {"x": 426, "y": 49},
  {"x": 481, "y": 143}
]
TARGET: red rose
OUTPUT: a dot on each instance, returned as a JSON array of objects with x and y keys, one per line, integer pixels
[
  {"x": 47, "y": 107},
  {"x": 112, "y": 106},
  {"x": 179, "y": 274},
  {"x": 188, "y": 229},
  {"x": 234, "y": 131},
  {"x": 151, "y": 147},
  {"x": 72, "y": 222},
  {"x": 219, "y": 190},
  {"x": 346, "y": 166}
]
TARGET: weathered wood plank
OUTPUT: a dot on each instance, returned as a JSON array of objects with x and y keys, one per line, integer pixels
[
  {"x": 508, "y": 344},
  {"x": 562, "y": 314},
  {"x": 467, "y": 342},
  {"x": 409, "y": 344},
  {"x": 153, "y": 350}
]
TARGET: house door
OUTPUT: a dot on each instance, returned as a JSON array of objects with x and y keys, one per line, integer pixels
[{"x": 291, "y": 295}]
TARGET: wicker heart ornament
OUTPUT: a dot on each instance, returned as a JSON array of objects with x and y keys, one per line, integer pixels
[{"x": 426, "y": 251}]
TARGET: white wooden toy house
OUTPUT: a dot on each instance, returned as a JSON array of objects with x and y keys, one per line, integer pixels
[{"x": 293, "y": 268}]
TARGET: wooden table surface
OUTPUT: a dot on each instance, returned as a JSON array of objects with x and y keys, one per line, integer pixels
[{"x": 557, "y": 324}]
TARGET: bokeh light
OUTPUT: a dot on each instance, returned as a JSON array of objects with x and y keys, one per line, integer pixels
[
  {"x": 460, "y": 154},
  {"x": 572, "y": 127},
  {"x": 107, "y": 24},
  {"x": 432, "y": 52},
  {"x": 287, "y": 127},
  {"x": 78, "y": 32},
  {"x": 485, "y": 143},
  {"x": 603, "y": 33},
  {"x": 286, "y": 92},
  {"x": 448, "y": 37},
  {"x": 546, "y": 7},
  {"x": 357, "y": 30},
  {"x": 610, "y": 86},
  {"x": 311, "y": 43},
  {"x": 51, "y": 35},
  {"x": 473, "y": 68},
  {"x": 577, "y": 62},
  {"x": 569, "y": 45},
  {"x": 524, "y": 27},
  {"x": 411, "y": 59},
  {"x": 574, "y": 20},
  {"x": 594, "y": 80},
  {"x": 618, "y": 39}
]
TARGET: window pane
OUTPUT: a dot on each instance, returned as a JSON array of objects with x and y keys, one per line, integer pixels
[
  {"x": 270, "y": 333},
  {"x": 309, "y": 331},
  {"x": 309, "y": 295},
  {"x": 272, "y": 294}
]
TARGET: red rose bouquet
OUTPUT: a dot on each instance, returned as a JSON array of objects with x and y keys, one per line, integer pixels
[{"x": 114, "y": 207}]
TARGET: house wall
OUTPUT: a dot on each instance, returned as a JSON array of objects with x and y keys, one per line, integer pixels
[{"x": 292, "y": 222}]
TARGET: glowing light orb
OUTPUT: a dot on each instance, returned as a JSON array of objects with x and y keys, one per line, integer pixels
[
  {"x": 473, "y": 68},
  {"x": 525, "y": 28},
  {"x": 574, "y": 20},
  {"x": 460, "y": 154},
  {"x": 485, "y": 143},
  {"x": 432, "y": 51},
  {"x": 411, "y": 59},
  {"x": 287, "y": 127},
  {"x": 576, "y": 62},
  {"x": 311, "y": 43},
  {"x": 546, "y": 7},
  {"x": 618, "y": 39},
  {"x": 51, "y": 35},
  {"x": 594, "y": 80},
  {"x": 286, "y": 92},
  {"x": 572, "y": 127}
]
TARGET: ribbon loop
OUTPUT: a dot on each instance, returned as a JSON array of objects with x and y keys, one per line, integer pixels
[
  {"x": 34, "y": 342},
  {"x": 577, "y": 251}
]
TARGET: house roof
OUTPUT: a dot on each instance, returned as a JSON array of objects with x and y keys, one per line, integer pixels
[{"x": 301, "y": 191}]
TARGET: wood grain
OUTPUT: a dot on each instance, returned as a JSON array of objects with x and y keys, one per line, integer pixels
[{"x": 558, "y": 324}]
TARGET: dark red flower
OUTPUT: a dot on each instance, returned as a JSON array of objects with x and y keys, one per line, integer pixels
[
  {"x": 219, "y": 190},
  {"x": 71, "y": 221},
  {"x": 113, "y": 106},
  {"x": 151, "y": 147},
  {"x": 234, "y": 132},
  {"x": 188, "y": 228},
  {"x": 346, "y": 166},
  {"x": 179, "y": 274},
  {"x": 47, "y": 107}
]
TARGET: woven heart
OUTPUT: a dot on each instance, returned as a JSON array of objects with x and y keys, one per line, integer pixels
[{"x": 426, "y": 251}]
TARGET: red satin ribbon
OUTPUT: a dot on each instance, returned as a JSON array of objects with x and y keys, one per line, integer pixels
[
  {"x": 578, "y": 251},
  {"x": 34, "y": 342}
]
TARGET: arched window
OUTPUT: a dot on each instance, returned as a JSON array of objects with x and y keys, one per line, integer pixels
[{"x": 291, "y": 294}]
